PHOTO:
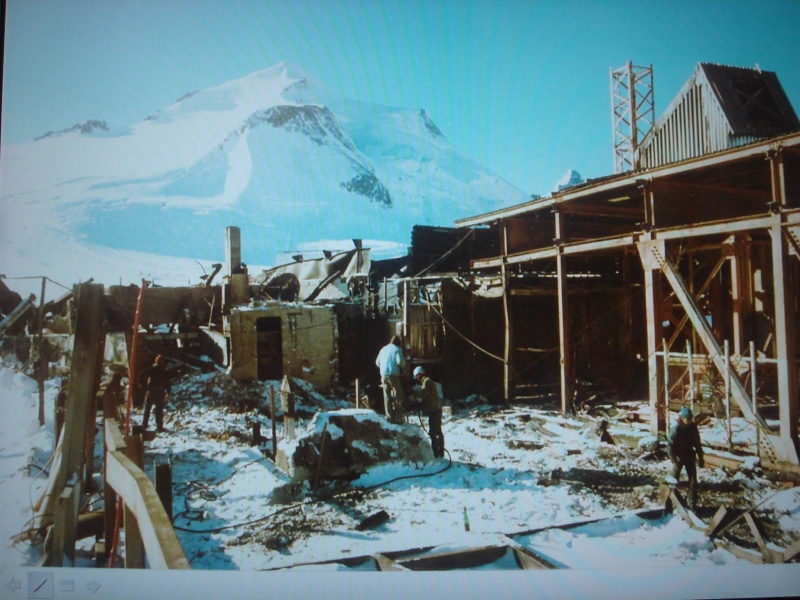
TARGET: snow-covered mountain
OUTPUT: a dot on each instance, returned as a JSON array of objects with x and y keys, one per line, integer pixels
[
  {"x": 275, "y": 153},
  {"x": 570, "y": 178}
]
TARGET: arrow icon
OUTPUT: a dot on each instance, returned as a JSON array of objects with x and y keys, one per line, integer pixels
[{"x": 93, "y": 586}]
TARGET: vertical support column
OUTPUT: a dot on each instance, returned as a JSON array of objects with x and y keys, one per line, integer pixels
[
  {"x": 655, "y": 332},
  {"x": 233, "y": 249},
  {"x": 785, "y": 325},
  {"x": 87, "y": 347},
  {"x": 739, "y": 278},
  {"x": 785, "y": 336},
  {"x": 565, "y": 349},
  {"x": 508, "y": 342}
]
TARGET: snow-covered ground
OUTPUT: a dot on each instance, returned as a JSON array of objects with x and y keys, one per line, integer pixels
[{"x": 518, "y": 472}]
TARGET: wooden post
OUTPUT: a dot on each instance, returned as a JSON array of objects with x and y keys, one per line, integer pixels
[
  {"x": 163, "y": 483},
  {"x": 753, "y": 394},
  {"x": 87, "y": 346},
  {"x": 666, "y": 379},
  {"x": 321, "y": 451},
  {"x": 272, "y": 418},
  {"x": 42, "y": 374},
  {"x": 691, "y": 373},
  {"x": 728, "y": 394},
  {"x": 287, "y": 404},
  {"x": 109, "y": 496},
  {"x": 565, "y": 346},
  {"x": 65, "y": 528},
  {"x": 132, "y": 363},
  {"x": 508, "y": 337},
  {"x": 785, "y": 339},
  {"x": 134, "y": 546},
  {"x": 650, "y": 256}
]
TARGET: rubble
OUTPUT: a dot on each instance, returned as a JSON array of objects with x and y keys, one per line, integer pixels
[{"x": 346, "y": 443}]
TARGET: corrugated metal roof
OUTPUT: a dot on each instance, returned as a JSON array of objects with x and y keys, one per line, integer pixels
[{"x": 753, "y": 100}]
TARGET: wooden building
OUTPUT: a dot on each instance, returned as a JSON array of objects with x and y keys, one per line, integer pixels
[{"x": 631, "y": 275}]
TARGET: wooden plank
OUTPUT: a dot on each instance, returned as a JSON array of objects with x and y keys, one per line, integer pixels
[
  {"x": 686, "y": 514},
  {"x": 62, "y": 552},
  {"x": 134, "y": 545},
  {"x": 387, "y": 564},
  {"x": 716, "y": 521},
  {"x": 715, "y": 460},
  {"x": 457, "y": 559},
  {"x": 739, "y": 552},
  {"x": 791, "y": 552},
  {"x": 756, "y": 532},
  {"x": 163, "y": 548}
]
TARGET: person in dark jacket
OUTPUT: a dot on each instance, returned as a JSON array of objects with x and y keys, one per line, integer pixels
[
  {"x": 431, "y": 406},
  {"x": 683, "y": 445},
  {"x": 156, "y": 397}
]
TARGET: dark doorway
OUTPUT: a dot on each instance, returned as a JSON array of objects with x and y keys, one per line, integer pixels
[{"x": 269, "y": 348}]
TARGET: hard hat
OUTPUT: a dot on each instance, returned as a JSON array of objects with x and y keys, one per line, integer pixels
[{"x": 419, "y": 371}]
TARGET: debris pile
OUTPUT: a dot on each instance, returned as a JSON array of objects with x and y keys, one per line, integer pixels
[{"x": 346, "y": 443}]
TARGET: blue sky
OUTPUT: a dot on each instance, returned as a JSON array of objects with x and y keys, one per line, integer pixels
[{"x": 521, "y": 86}]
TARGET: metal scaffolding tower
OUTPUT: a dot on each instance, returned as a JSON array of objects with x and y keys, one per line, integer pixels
[{"x": 632, "y": 113}]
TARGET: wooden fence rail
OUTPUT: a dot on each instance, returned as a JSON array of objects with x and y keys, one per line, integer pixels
[{"x": 161, "y": 544}]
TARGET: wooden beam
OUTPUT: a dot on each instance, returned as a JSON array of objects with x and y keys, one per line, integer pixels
[
  {"x": 602, "y": 210},
  {"x": 457, "y": 559},
  {"x": 629, "y": 183},
  {"x": 787, "y": 218},
  {"x": 785, "y": 330},
  {"x": 564, "y": 342},
  {"x": 387, "y": 564},
  {"x": 87, "y": 353},
  {"x": 163, "y": 548},
  {"x": 791, "y": 552},
  {"x": 756, "y": 532},
  {"x": 65, "y": 525},
  {"x": 134, "y": 545},
  {"x": 526, "y": 558},
  {"x": 716, "y": 521},
  {"x": 653, "y": 302},
  {"x": 508, "y": 337}
]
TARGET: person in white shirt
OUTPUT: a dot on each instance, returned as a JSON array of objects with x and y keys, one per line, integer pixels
[{"x": 391, "y": 362}]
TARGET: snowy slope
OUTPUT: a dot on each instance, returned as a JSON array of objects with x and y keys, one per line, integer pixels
[{"x": 274, "y": 153}]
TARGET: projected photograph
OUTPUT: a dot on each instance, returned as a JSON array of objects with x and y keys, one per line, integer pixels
[{"x": 368, "y": 286}]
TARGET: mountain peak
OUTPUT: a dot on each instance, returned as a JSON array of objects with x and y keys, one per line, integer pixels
[
  {"x": 85, "y": 128},
  {"x": 570, "y": 178}
]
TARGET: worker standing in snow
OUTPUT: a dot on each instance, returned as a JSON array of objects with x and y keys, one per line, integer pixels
[
  {"x": 157, "y": 385},
  {"x": 391, "y": 362},
  {"x": 431, "y": 406},
  {"x": 683, "y": 444}
]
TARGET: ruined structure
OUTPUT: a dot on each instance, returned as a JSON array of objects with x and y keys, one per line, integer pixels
[{"x": 689, "y": 264}]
